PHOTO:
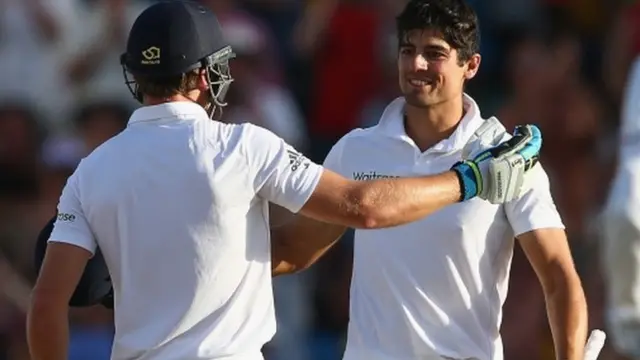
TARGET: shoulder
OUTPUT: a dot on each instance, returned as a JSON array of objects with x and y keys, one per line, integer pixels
[
  {"x": 486, "y": 134},
  {"x": 252, "y": 136},
  {"x": 97, "y": 156},
  {"x": 355, "y": 146},
  {"x": 358, "y": 136}
]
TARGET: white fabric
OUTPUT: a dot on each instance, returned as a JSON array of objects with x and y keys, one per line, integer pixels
[
  {"x": 630, "y": 116},
  {"x": 621, "y": 228},
  {"x": 178, "y": 204},
  {"x": 435, "y": 286}
]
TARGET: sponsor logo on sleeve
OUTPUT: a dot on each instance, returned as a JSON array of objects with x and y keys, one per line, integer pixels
[
  {"x": 297, "y": 160},
  {"x": 66, "y": 217}
]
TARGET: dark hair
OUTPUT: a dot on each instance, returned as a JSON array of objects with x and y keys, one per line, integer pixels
[
  {"x": 454, "y": 19},
  {"x": 164, "y": 87}
]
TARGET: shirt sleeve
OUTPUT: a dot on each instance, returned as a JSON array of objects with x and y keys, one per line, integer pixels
[
  {"x": 71, "y": 225},
  {"x": 282, "y": 174},
  {"x": 535, "y": 208}
]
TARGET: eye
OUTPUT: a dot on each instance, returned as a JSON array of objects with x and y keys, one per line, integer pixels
[
  {"x": 406, "y": 51},
  {"x": 434, "y": 55}
]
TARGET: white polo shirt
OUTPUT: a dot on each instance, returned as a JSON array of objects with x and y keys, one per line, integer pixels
[
  {"x": 178, "y": 204},
  {"x": 434, "y": 287}
]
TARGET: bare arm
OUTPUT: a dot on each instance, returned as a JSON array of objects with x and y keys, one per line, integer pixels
[
  {"x": 338, "y": 203},
  {"x": 380, "y": 203},
  {"x": 47, "y": 319},
  {"x": 299, "y": 244},
  {"x": 549, "y": 254}
]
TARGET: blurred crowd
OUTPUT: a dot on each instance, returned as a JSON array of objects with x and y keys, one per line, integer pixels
[{"x": 311, "y": 70}]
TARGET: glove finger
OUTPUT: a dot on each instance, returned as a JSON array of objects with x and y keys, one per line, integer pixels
[
  {"x": 517, "y": 142},
  {"x": 533, "y": 145},
  {"x": 531, "y": 163}
]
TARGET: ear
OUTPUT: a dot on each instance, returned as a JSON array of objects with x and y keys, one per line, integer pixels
[
  {"x": 472, "y": 66},
  {"x": 203, "y": 82}
]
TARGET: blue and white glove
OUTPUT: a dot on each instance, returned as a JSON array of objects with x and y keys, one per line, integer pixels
[{"x": 497, "y": 174}]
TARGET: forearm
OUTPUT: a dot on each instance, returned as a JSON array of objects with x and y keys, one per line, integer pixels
[
  {"x": 48, "y": 333},
  {"x": 299, "y": 244},
  {"x": 390, "y": 203},
  {"x": 567, "y": 313}
]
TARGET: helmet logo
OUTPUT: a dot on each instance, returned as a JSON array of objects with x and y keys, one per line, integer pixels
[{"x": 151, "y": 56}]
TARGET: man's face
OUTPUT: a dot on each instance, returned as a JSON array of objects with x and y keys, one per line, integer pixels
[{"x": 429, "y": 70}]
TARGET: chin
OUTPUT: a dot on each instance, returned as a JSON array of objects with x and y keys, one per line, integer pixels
[{"x": 419, "y": 101}]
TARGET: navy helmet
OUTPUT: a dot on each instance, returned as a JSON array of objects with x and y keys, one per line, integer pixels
[{"x": 173, "y": 37}]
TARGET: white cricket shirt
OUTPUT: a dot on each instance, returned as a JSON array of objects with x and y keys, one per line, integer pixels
[
  {"x": 178, "y": 204},
  {"x": 625, "y": 188},
  {"x": 434, "y": 287}
]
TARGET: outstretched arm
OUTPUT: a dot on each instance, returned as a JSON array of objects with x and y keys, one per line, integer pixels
[{"x": 299, "y": 243}]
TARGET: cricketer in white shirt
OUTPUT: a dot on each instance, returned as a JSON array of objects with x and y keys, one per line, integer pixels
[
  {"x": 621, "y": 229},
  {"x": 219, "y": 270},
  {"x": 435, "y": 287}
]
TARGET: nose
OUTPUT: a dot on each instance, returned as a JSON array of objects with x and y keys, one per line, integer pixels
[{"x": 419, "y": 62}]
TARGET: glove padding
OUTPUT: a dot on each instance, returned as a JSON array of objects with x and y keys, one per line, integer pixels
[{"x": 497, "y": 174}]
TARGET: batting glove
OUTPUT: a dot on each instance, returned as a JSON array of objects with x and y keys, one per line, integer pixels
[{"x": 497, "y": 174}]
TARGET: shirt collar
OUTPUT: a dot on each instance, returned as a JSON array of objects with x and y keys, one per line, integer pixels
[
  {"x": 176, "y": 109},
  {"x": 392, "y": 124}
]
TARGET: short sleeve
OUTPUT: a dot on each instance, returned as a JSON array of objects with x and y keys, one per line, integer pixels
[
  {"x": 535, "y": 208},
  {"x": 282, "y": 174},
  {"x": 71, "y": 225}
]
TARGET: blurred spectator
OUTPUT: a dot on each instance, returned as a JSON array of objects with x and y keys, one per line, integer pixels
[
  {"x": 97, "y": 122},
  {"x": 92, "y": 70},
  {"x": 32, "y": 33},
  {"x": 20, "y": 213},
  {"x": 388, "y": 89},
  {"x": 252, "y": 97},
  {"x": 342, "y": 36},
  {"x": 621, "y": 230},
  {"x": 620, "y": 48},
  {"x": 280, "y": 17}
]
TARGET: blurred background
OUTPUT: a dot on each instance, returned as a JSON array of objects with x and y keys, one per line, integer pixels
[{"x": 311, "y": 71}]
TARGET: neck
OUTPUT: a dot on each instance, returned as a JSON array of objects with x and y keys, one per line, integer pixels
[
  {"x": 150, "y": 101},
  {"x": 430, "y": 125}
]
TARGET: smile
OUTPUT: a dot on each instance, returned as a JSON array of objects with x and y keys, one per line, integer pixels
[{"x": 419, "y": 83}]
